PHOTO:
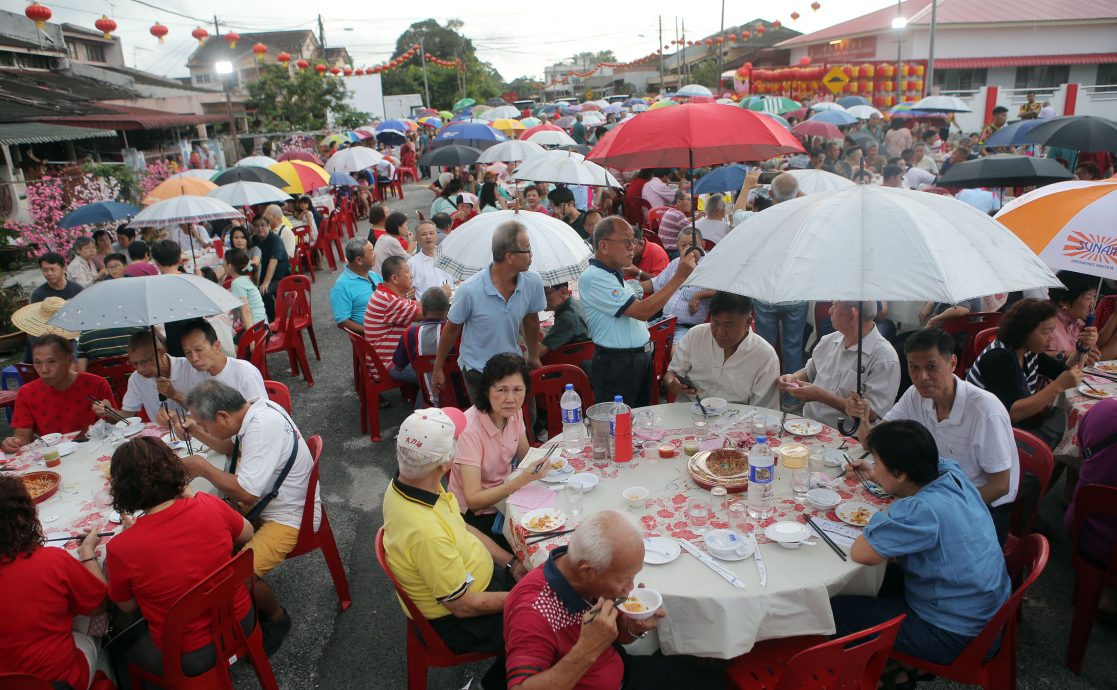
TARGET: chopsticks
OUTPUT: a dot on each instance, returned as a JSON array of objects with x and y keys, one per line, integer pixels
[
  {"x": 597, "y": 609},
  {"x": 535, "y": 539},
  {"x": 186, "y": 436},
  {"x": 705, "y": 560},
  {"x": 111, "y": 411},
  {"x": 826, "y": 538},
  {"x": 79, "y": 536}
]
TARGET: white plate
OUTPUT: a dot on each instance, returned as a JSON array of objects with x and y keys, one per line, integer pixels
[
  {"x": 802, "y": 427},
  {"x": 832, "y": 457},
  {"x": 823, "y": 498},
  {"x": 555, "y": 519},
  {"x": 129, "y": 430},
  {"x": 1095, "y": 391},
  {"x": 845, "y": 512},
  {"x": 65, "y": 448},
  {"x": 1108, "y": 366},
  {"x": 664, "y": 544},
  {"x": 710, "y": 413},
  {"x": 783, "y": 531},
  {"x": 559, "y": 476},
  {"x": 114, "y": 517}
]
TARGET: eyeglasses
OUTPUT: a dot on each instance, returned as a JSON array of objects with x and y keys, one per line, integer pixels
[
  {"x": 628, "y": 243},
  {"x": 140, "y": 362},
  {"x": 521, "y": 251}
]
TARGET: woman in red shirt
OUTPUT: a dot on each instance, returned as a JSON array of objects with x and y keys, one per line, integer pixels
[
  {"x": 181, "y": 539},
  {"x": 467, "y": 209},
  {"x": 41, "y": 590}
]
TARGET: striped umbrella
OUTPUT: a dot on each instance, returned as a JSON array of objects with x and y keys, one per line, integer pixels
[
  {"x": 301, "y": 177},
  {"x": 776, "y": 105},
  {"x": 662, "y": 103}
]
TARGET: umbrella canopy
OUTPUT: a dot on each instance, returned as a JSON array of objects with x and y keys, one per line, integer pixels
[
  {"x": 449, "y": 156},
  {"x": 1005, "y": 170},
  {"x": 362, "y": 134},
  {"x": 531, "y": 121},
  {"x": 392, "y": 137},
  {"x": 639, "y": 107},
  {"x": 816, "y": 128},
  {"x": 941, "y": 104},
  {"x": 353, "y": 159},
  {"x": 479, "y": 136},
  {"x": 1078, "y": 132},
  {"x": 553, "y": 136},
  {"x": 1069, "y": 225},
  {"x": 1015, "y": 134},
  {"x": 98, "y": 212},
  {"x": 835, "y": 117},
  {"x": 183, "y": 186},
  {"x": 200, "y": 173},
  {"x": 184, "y": 209},
  {"x": 338, "y": 139},
  {"x": 394, "y": 125},
  {"x": 511, "y": 151},
  {"x": 862, "y": 138},
  {"x": 431, "y": 121},
  {"x": 299, "y": 155},
  {"x": 146, "y": 301},
  {"x": 502, "y": 112},
  {"x": 612, "y": 109},
  {"x": 693, "y": 135},
  {"x": 463, "y": 103},
  {"x": 301, "y": 177},
  {"x": 817, "y": 181},
  {"x": 339, "y": 179},
  {"x": 728, "y": 178},
  {"x": 248, "y": 173},
  {"x": 634, "y": 101},
  {"x": 507, "y": 126},
  {"x": 694, "y": 90},
  {"x": 249, "y": 194},
  {"x": 777, "y": 105},
  {"x": 445, "y": 114},
  {"x": 590, "y": 107},
  {"x": 559, "y": 255},
  {"x": 863, "y": 112},
  {"x": 566, "y": 167},
  {"x": 258, "y": 161},
  {"x": 823, "y": 106},
  {"x": 542, "y": 127},
  {"x": 778, "y": 118},
  {"x": 865, "y": 243},
  {"x": 848, "y": 102},
  {"x": 565, "y": 122},
  {"x": 662, "y": 103},
  {"x": 593, "y": 119}
]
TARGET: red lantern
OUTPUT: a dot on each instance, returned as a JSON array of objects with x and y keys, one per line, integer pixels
[
  {"x": 348, "y": 71},
  {"x": 359, "y": 72},
  {"x": 283, "y": 57},
  {"x": 747, "y": 65},
  {"x": 302, "y": 64},
  {"x": 720, "y": 40},
  {"x": 709, "y": 42},
  {"x": 200, "y": 34},
  {"x": 320, "y": 68},
  {"x": 732, "y": 37},
  {"x": 158, "y": 31},
  {"x": 38, "y": 14},
  {"x": 260, "y": 49},
  {"x": 815, "y": 6},
  {"x": 335, "y": 71},
  {"x": 805, "y": 60},
  {"x": 794, "y": 16},
  {"x": 760, "y": 30},
  {"x": 232, "y": 37},
  {"x": 745, "y": 35},
  {"x": 106, "y": 26},
  {"x": 777, "y": 24}
]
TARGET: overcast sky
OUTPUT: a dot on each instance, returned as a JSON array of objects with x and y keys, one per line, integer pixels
[{"x": 518, "y": 42}]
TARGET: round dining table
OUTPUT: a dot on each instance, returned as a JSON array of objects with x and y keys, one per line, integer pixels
[
  {"x": 1079, "y": 403},
  {"x": 707, "y": 615}
]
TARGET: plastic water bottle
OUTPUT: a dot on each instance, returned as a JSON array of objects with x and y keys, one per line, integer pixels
[
  {"x": 761, "y": 474},
  {"x": 574, "y": 432},
  {"x": 618, "y": 409}
]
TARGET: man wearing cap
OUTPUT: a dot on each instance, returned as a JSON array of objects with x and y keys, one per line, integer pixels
[
  {"x": 1000, "y": 116},
  {"x": 456, "y": 576}
]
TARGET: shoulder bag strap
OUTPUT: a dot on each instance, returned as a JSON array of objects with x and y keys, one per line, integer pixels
[{"x": 254, "y": 513}]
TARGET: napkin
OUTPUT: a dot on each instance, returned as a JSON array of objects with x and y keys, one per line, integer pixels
[
  {"x": 533, "y": 496},
  {"x": 650, "y": 434},
  {"x": 841, "y": 533}
]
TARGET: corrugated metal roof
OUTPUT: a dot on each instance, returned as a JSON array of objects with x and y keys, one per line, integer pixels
[
  {"x": 38, "y": 133},
  {"x": 129, "y": 117},
  {"x": 1026, "y": 61}
]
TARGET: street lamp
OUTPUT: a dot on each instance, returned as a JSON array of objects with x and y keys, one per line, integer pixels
[
  {"x": 898, "y": 25},
  {"x": 225, "y": 68}
]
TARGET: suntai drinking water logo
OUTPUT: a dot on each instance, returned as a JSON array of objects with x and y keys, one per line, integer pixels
[{"x": 1091, "y": 249}]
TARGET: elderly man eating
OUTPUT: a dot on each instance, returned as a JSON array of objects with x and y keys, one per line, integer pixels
[
  {"x": 144, "y": 388},
  {"x": 563, "y": 630},
  {"x": 724, "y": 358}
]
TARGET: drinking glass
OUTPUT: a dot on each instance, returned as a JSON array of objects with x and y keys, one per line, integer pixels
[
  {"x": 818, "y": 459},
  {"x": 758, "y": 425},
  {"x": 573, "y": 493},
  {"x": 772, "y": 427},
  {"x": 719, "y": 497},
  {"x": 738, "y": 517},
  {"x": 698, "y": 513},
  {"x": 801, "y": 481}
]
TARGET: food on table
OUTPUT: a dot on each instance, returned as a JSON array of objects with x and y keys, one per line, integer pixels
[
  {"x": 1094, "y": 392},
  {"x": 667, "y": 450},
  {"x": 859, "y": 516},
  {"x": 1110, "y": 367},
  {"x": 633, "y": 605},
  {"x": 794, "y": 455},
  {"x": 690, "y": 447},
  {"x": 802, "y": 428},
  {"x": 558, "y": 464},
  {"x": 724, "y": 462},
  {"x": 543, "y": 522},
  {"x": 39, "y": 483}
]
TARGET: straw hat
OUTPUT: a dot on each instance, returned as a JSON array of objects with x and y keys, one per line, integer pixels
[{"x": 33, "y": 318}]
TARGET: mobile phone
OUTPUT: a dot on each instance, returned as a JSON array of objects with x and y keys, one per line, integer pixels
[
  {"x": 767, "y": 176},
  {"x": 686, "y": 382}
]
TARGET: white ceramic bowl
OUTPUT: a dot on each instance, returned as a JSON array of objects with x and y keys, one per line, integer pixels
[
  {"x": 557, "y": 463},
  {"x": 650, "y": 599},
  {"x": 715, "y": 405},
  {"x": 132, "y": 421},
  {"x": 725, "y": 543},
  {"x": 635, "y": 496},
  {"x": 51, "y": 439},
  {"x": 588, "y": 480},
  {"x": 823, "y": 498}
]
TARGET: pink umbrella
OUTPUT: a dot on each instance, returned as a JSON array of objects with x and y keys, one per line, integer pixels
[
  {"x": 297, "y": 155},
  {"x": 526, "y": 134},
  {"x": 590, "y": 106},
  {"x": 816, "y": 128}
]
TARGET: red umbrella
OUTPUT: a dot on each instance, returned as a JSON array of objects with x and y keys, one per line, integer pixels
[
  {"x": 815, "y": 128},
  {"x": 545, "y": 127},
  {"x": 693, "y": 136},
  {"x": 301, "y": 156}
]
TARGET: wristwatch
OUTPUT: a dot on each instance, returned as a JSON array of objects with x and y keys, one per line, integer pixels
[{"x": 511, "y": 564}]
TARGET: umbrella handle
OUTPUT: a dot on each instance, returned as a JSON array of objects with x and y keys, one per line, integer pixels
[{"x": 851, "y": 430}]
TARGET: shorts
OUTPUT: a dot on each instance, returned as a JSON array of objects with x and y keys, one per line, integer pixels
[{"x": 270, "y": 546}]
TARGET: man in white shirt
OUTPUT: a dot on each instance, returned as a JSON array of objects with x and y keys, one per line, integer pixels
[
  {"x": 723, "y": 358},
  {"x": 189, "y": 236},
  {"x": 970, "y": 425},
  {"x": 208, "y": 361},
  {"x": 156, "y": 372},
  {"x": 424, "y": 274},
  {"x": 831, "y": 373},
  {"x": 281, "y": 227},
  {"x": 261, "y": 441}
]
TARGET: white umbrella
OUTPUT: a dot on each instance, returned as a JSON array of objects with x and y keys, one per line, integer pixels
[
  {"x": 694, "y": 90},
  {"x": 184, "y": 209},
  {"x": 261, "y": 161},
  {"x": 639, "y": 107},
  {"x": 826, "y": 105},
  {"x": 200, "y": 173},
  {"x": 566, "y": 167},
  {"x": 593, "y": 118},
  {"x": 549, "y": 137},
  {"x": 501, "y": 112},
  {"x": 245, "y": 193},
  {"x": 559, "y": 254},
  {"x": 144, "y": 301},
  {"x": 352, "y": 159},
  {"x": 510, "y": 151},
  {"x": 942, "y": 104},
  {"x": 863, "y": 112},
  {"x": 815, "y": 181}
]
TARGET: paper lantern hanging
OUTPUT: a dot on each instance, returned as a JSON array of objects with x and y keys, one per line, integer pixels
[
  {"x": 815, "y": 6},
  {"x": 106, "y": 26},
  {"x": 794, "y": 16},
  {"x": 39, "y": 14},
  {"x": 200, "y": 34},
  {"x": 335, "y": 71},
  {"x": 746, "y": 35},
  {"x": 302, "y": 64},
  {"x": 260, "y": 50},
  {"x": 732, "y": 37},
  {"x": 805, "y": 60},
  {"x": 158, "y": 31},
  {"x": 777, "y": 24},
  {"x": 348, "y": 71},
  {"x": 283, "y": 57},
  {"x": 760, "y": 30},
  {"x": 232, "y": 37},
  {"x": 320, "y": 68}
]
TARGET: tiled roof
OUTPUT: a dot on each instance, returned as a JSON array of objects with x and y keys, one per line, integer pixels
[
  {"x": 27, "y": 94},
  {"x": 38, "y": 133},
  {"x": 215, "y": 47},
  {"x": 129, "y": 117},
  {"x": 1027, "y": 61}
]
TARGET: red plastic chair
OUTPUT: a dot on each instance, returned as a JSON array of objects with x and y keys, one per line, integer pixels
[
  {"x": 405, "y": 171},
  {"x": 1035, "y": 458},
  {"x": 394, "y": 186},
  {"x": 115, "y": 370},
  {"x": 279, "y": 394},
  {"x": 571, "y": 353},
  {"x": 26, "y": 681},
  {"x": 980, "y": 342},
  {"x": 324, "y": 245},
  {"x": 964, "y": 329},
  {"x": 655, "y": 215},
  {"x": 549, "y": 383},
  {"x": 323, "y": 539},
  {"x": 252, "y": 347},
  {"x": 453, "y": 391},
  {"x": 653, "y": 237},
  {"x": 26, "y": 372},
  {"x": 304, "y": 253},
  {"x": 304, "y": 313},
  {"x": 662, "y": 333},
  {"x": 1098, "y": 501},
  {"x": 853, "y": 662},
  {"x": 1106, "y": 306},
  {"x": 1025, "y": 564},
  {"x": 215, "y": 597},
  {"x": 285, "y": 337},
  {"x": 374, "y": 381},
  {"x": 425, "y": 649}
]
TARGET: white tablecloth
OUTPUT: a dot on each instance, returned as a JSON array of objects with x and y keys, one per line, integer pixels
[{"x": 707, "y": 616}]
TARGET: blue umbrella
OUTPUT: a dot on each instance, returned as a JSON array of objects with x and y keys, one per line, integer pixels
[
  {"x": 633, "y": 101},
  {"x": 340, "y": 179},
  {"x": 1015, "y": 134},
  {"x": 614, "y": 109},
  {"x": 473, "y": 134},
  {"x": 98, "y": 212},
  {"x": 392, "y": 137},
  {"x": 850, "y": 101},
  {"x": 835, "y": 117},
  {"x": 395, "y": 125},
  {"x": 728, "y": 178}
]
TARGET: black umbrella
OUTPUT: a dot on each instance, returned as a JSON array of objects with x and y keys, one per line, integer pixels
[
  {"x": 249, "y": 173},
  {"x": 862, "y": 138},
  {"x": 1077, "y": 132},
  {"x": 1005, "y": 170},
  {"x": 454, "y": 154}
]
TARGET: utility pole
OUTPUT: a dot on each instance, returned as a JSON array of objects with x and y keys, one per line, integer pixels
[
  {"x": 660, "y": 49},
  {"x": 720, "y": 43},
  {"x": 900, "y": 54},
  {"x": 321, "y": 34},
  {"x": 929, "y": 84},
  {"x": 426, "y": 85},
  {"x": 686, "y": 65},
  {"x": 678, "y": 48},
  {"x": 216, "y": 26}
]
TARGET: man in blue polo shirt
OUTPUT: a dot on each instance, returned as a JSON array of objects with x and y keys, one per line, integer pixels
[
  {"x": 489, "y": 308},
  {"x": 350, "y": 294},
  {"x": 618, "y": 320}
]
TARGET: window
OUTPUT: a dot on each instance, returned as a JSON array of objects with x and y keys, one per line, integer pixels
[
  {"x": 72, "y": 50},
  {"x": 960, "y": 79},
  {"x": 201, "y": 78},
  {"x": 1042, "y": 77},
  {"x": 33, "y": 61},
  {"x": 1107, "y": 75},
  {"x": 94, "y": 52}
]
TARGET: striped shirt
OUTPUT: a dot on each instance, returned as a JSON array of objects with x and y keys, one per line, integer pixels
[
  {"x": 386, "y": 320},
  {"x": 998, "y": 371},
  {"x": 670, "y": 225},
  {"x": 1030, "y": 370},
  {"x": 105, "y": 342}
]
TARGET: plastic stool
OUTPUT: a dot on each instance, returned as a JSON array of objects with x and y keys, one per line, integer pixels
[{"x": 9, "y": 378}]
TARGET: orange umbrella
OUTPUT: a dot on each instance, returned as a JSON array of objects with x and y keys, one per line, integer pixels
[
  {"x": 301, "y": 177},
  {"x": 179, "y": 186}
]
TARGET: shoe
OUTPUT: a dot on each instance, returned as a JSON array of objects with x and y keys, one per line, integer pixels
[{"x": 274, "y": 632}]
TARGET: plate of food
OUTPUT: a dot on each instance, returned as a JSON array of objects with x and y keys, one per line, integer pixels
[
  {"x": 855, "y": 513},
  {"x": 714, "y": 406},
  {"x": 41, "y": 485},
  {"x": 802, "y": 427},
  {"x": 1108, "y": 366},
  {"x": 726, "y": 463},
  {"x": 1092, "y": 391},
  {"x": 543, "y": 520},
  {"x": 560, "y": 470},
  {"x": 130, "y": 426}
]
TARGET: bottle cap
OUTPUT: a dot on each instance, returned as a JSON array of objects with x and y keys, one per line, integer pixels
[
  {"x": 618, "y": 398},
  {"x": 762, "y": 439},
  {"x": 569, "y": 386}
]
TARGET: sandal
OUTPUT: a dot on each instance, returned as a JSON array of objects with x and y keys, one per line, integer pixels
[{"x": 889, "y": 679}]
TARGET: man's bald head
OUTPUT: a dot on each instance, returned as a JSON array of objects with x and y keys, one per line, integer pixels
[{"x": 784, "y": 188}]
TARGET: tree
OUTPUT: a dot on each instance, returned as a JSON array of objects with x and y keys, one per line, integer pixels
[
  {"x": 347, "y": 117},
  {"x": 589, "y": 59},
  {"x": 298, "y": 101},
  {"x": 705, "y": 73},
  {"x": 478, "y": 80},
  {"x": 524, "y": 87}
]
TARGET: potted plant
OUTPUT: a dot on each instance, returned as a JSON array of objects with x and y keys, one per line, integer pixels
[{"x": 11, "y": 298}]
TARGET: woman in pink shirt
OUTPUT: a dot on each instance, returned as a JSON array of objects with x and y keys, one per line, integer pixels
[
  {"x": 1075, "y": 301},
  {"x": 494, "y": 439}
]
